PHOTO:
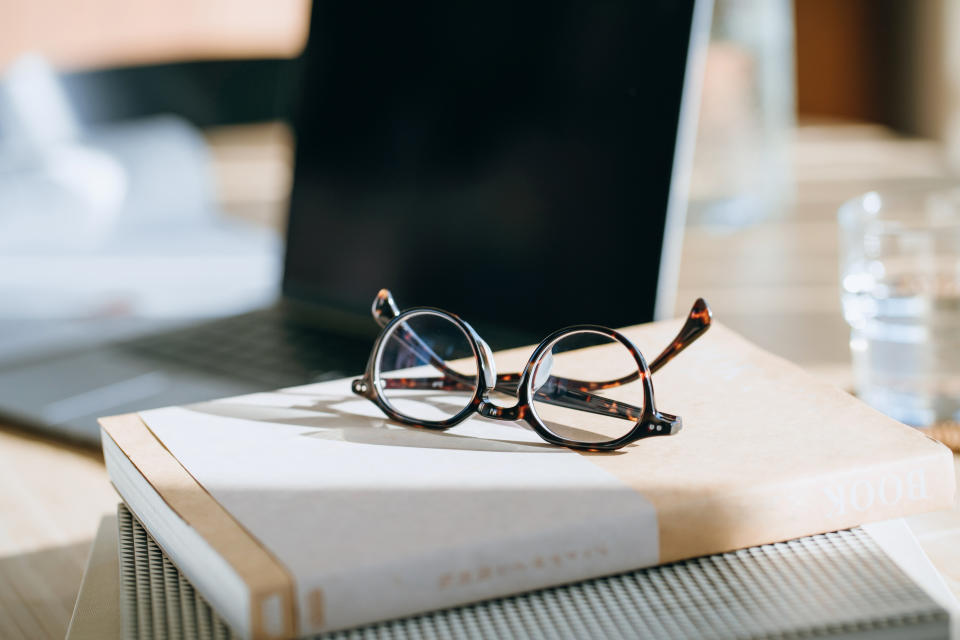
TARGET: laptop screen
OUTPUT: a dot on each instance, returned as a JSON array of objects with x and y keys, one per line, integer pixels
[{"x": 507, "y": 161}]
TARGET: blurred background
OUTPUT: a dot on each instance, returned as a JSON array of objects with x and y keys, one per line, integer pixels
[
  {"x": 132, "y": 183},
  {"x": 167, "y": 157}
]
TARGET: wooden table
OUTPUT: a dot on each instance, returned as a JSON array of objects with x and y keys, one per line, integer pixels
[{"x": 775, "y": 282}]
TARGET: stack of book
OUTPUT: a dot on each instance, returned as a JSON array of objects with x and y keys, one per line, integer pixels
[{"x": 305, "y": 511}]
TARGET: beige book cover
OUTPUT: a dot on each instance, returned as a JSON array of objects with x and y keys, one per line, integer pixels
[{"x": 330, "y": 516}]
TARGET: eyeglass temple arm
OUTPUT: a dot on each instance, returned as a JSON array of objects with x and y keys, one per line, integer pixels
[
  {"x": 384, "y": 309},
  {"x": 558, "y": 395},
  {"x": 698, "y": 321}
]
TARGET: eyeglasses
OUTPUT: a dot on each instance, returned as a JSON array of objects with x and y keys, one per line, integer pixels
[{"x": 585, "y": 387}]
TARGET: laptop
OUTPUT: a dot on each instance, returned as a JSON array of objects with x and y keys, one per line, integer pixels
[{"x": 523, "y": 165}]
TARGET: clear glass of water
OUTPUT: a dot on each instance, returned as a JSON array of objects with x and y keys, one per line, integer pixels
[{"x": 900, "y": 282}]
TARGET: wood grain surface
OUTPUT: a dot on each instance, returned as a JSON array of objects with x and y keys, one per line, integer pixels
[{"x": 775, "y": 282}]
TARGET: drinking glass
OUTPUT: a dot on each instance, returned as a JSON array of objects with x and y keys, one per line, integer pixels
[{"x": 900, "y": 281}]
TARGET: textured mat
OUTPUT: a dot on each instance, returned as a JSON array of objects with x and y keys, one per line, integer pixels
[{"x": 835, "y": 585}]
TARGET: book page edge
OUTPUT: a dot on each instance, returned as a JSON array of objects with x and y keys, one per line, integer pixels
[{"x": 271, "y": 587}]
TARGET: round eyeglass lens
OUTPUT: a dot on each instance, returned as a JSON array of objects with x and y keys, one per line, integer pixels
[
  {"x": 426, "y": 368},
  {"x": 587, "y": 388}
]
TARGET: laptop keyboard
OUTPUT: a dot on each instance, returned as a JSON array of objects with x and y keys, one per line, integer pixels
[{"x": 263, "y": 347}]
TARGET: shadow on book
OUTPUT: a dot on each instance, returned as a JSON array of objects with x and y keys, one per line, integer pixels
[{"x": 356, "y": 420}]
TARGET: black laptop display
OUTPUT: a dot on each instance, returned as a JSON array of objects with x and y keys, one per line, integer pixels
[{"x": 508, "y": 161}]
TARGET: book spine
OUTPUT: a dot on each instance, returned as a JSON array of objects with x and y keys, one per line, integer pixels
[{"x": 723, "y": 521}]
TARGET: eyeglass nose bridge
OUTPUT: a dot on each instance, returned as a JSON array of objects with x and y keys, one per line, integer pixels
[
  {"x": 489, "y": 368},
  {"x": 511, "y": 414}
]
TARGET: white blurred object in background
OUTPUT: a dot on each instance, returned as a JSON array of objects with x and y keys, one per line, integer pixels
[
  {"x": 54, "y": 190},
  {"x": 742, "y": 171},
  {"x": 115, "y": 220}
]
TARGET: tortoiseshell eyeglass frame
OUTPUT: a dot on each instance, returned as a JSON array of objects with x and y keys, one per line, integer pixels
[{"x": 565, "y": 392}]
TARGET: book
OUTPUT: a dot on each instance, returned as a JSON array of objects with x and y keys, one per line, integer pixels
[
  {"x": 871, "y": 581},
  {"x": 304, "y": 510}
]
